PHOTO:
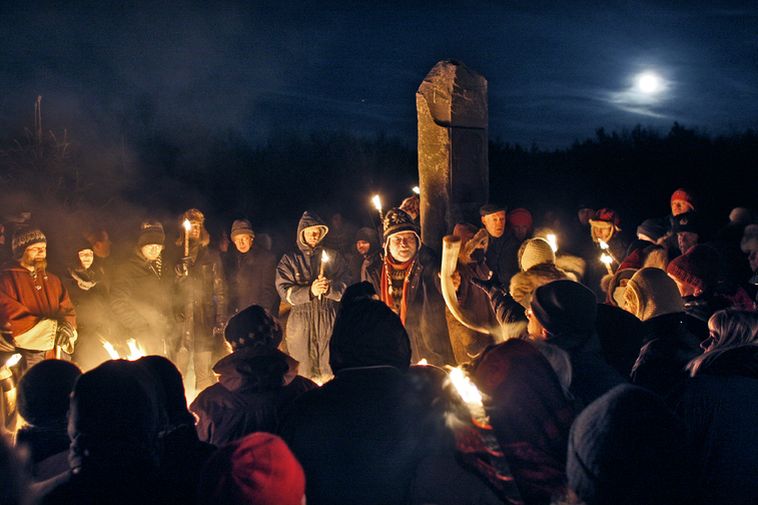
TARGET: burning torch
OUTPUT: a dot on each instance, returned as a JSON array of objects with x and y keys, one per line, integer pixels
[
  {"x": 606, "y": 258},
  {"x": 553, "y": 241},
  {"x": 324, "y": 260},
  {"x": 187, "y": 227}
]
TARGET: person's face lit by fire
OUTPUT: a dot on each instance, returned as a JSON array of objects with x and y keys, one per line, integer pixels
[
  {"x": 680, "y": 207},
  {"x": 151, "y": 252},
  {"x": 686, "y": 240},
  {"x": 34, "y": 256},
  {"x": 534, "y": 327},
  {"x": 403, "y": 246},
  {"x": 495, "y": 223},
  {"x": 86, "y": 257},
  {"x": 312, "y": 235},
  {"x": 243, "y": 242},
  {"x": 362, "y": 246},
  {"x": 602, "y": 231},
  {"x": 196, "y": 228}
]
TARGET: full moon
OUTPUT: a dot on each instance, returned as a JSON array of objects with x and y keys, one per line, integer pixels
[{"x": 649, "y": 83}]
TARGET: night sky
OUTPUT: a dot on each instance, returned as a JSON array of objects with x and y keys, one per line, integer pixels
[{"x": 556, "y": 70}]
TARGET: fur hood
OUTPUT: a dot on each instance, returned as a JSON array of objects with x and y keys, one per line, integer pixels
[{"x": 523, "y": 284}]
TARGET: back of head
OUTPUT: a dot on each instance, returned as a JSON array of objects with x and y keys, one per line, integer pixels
[
  {"x": 169, "y": 380},
  {"x": 650, "y": 293},
  {"x": 699, "y": 267},
  {"x": 730, "y": 329},
  {"x": 43, "y": 392},
  {"x": 114, "y": 417},
  {"x": 253, "y": 327},
  {"x": 628, "y": 448},
  {"x": 259, "y": 469},
  {"x": 368, "y": 333},
  {"x": 567, "y": 310},
  {"x": 535, "y": 251}
]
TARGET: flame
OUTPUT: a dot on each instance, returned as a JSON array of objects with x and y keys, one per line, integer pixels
[
  {"x": 324, "y": 257},
  {"x": 110, "y": 350},
  {"x": 135, "y": 350},
  {"x": 416, "y": 190},
  {"x": 465, "y": 388},
  {"x": 187, "y": 225},
  {"x": 603, "y": 245},
  {"x": 377, "y": 201},
  {"x": 553, "y": 241},
  {"x": 13, "y": 360},
  {"x": 606, "y": 259},
  {"x": 423, "y": 361}
]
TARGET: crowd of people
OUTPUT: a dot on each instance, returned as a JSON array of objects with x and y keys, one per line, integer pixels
[{"x": 603, "y": 370}]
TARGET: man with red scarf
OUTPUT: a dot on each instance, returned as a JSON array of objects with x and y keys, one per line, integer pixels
[{"x": 407, "y": 280}]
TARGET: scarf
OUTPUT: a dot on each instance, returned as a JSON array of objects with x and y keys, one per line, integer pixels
[{"x": 392, "y": 275}]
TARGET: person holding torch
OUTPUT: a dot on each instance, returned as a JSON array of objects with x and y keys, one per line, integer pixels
[{"x": 312, "y": 279}]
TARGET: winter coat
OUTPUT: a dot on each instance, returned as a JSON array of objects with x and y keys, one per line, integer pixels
[
  {"x": 311, "y": 319},
  {"x": 502, "y": 256},
  {"x": 720, "y": 412},
  {"x": 141, "y": 302},
  {"x": 668, "y": 347},
  {"x": 47, "y": 448},
  {"x": 250, "y": 278},
  {"x": 425, "y": 321},
  {"x": 182, "y": 459},
  {"x": 27, "y": 301},
  {"x": 358, "y": 437},
  {"x": 203, "y": 289},
  {"x": 255, "y": 387},
  {"x": 620, "y": 336}
]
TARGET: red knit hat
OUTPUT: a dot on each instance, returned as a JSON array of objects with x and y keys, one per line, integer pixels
[
  {"x": 259, "y": 469},
  {"x": 520, "y": 216},
  {"x": 698, "y": 268},
  {"x": 685, "y": 195},
  {"x": 608, "y": 216}
]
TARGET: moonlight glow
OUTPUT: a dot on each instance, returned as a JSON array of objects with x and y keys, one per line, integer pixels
[{"x": 649, "y": 83}]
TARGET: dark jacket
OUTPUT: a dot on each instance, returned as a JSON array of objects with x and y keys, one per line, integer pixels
[
  {"x": 475, "y": 305},
  {"x": 358, "y": 437},
  {"x": 255, "y": 387},
  {"x": 311, "y": 320},
  {"x": 425, "y": 321},
  {"x": 620, "y": 335},
  {"x": 48, "y": 449},
  {"x": 203, "y": 289},
  {"x": 668, "y": 347},
  {"x": 720, "y": 412},
  {"x": 250, "y": 278},
  {"x": 502, "y": 256}
]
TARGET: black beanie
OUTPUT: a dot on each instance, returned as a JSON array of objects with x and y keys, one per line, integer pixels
[
  {"x": 43, "y": 391},
  {"x": 368, "y": 333},
  {"x": 628, "y": 448},
  {"x": 151, "y": 233},
  {"x": 254, "y": 326},
  {"x": 565, "y": 308}
]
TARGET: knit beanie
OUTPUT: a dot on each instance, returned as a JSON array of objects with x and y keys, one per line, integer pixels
[
  {"x": 253, "y": 326},
  {"x": 396, "y": 221},
  {"x": 688, "y": 221},
  {"x": 241, "y": 227},
  {"x": 368, "y": 333},
  {"x": 521, "y": 217},
  {"x": 43, "y": 391},
  {"x": 652, "y": 228},
  {"x": 258, "y": 468},
  {"x": 684, "y": 195},
  {"x": 151, "y": 233},
  {"x": 565, "y": 308},
  {"x": 606, "y": 215},
  {"x": 650, "y": 293},
  {"x": 23, "y": 238},
  {"x": 368, "y": 235},
  {"x": 697, "y": 268},
  {"x": 628, "y": 448},
  {"x": 535, "y": 251}
]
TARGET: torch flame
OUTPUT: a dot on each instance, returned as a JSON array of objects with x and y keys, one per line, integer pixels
[
  {"x": 135, "y": 351},
  {"x": 423, "y": 361},
  {"x": 110, "y": 350},
  {"x": 324, "y": 257},
  {"x": 377, "y": 201},
  {"x": 553, "y": 241},
  {"x": 603, "y": 245},
  {"x": 465, "y": 388},
  {"x": 416, "y": 190},
  {"x": 13, "y": 360},
  {"x": 606, "y": 259},
  {"x": 187, "y": 225}
]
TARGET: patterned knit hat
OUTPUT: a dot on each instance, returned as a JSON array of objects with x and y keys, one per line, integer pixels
[
  {"x": 241, "y": 227},
  {"x": 251, "y": 327},
  {"x": 535, "y": 251},
  {"x": 25, "y": 237},
  {"x": 397, "y": 220},
  {"x": 684, "y": 195},
  {"x": 697, "y": 268}
]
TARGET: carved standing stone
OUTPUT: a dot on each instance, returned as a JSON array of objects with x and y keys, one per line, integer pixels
[{"x": 451, "y": 106}]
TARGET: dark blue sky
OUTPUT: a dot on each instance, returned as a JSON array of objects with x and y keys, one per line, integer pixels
[{"x": 556, "y": 70}]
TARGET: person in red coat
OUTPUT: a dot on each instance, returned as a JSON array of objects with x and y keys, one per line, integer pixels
[{"x": 34, "y": 305}]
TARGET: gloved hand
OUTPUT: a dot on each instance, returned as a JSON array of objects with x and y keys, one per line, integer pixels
[
  {"x": 65, "y": 337},
  {"x": 182, "y": 267}
]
